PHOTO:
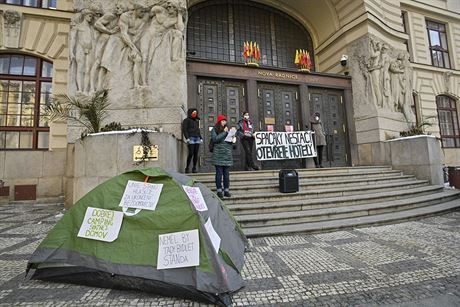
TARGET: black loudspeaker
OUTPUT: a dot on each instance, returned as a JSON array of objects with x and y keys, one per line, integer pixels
[{"x": 288, "y": 181}]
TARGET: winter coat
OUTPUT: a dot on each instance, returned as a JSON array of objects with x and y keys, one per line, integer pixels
[
  {"x": 317, "y": 126},
  {"x": 223, "y": 151},
  {"x": 240, "y": 127},
  {"x": 191, "y": 126}
]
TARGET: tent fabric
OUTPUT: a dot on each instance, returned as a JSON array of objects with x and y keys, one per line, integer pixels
[{"x": 133, "y": 255}]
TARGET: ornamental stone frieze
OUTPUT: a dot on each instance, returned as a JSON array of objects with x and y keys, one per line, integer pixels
[
  {"x": 12, "y": 21},
  {"x": 382, "y": 77},
  {"x": 134, "y": 49}
]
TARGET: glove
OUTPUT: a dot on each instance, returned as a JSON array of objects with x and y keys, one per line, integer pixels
[{"x": 187, "y": 141}]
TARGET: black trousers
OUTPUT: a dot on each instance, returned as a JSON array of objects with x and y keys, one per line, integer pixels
[
  {"x": 248, "y": 144},
  {"x": 193, "y": 150},
  {"x": 319, "y": 159}
]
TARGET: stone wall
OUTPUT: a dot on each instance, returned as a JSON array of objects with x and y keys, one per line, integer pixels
[
  {"x": 99, "y": 157},
  {"x": 45, "y": 169},
  {"x": 420, "y": 156}
]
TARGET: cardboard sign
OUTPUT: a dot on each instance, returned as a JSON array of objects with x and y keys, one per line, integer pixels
[
  {"x": 194, "y": 194},
  {"x": 215, "y": 239},
  {"x": 100, "y": 224},
  {"x": 284, "y": 145},
  {"x": 141, "y": 195},
  {"x": 178, "y": 250}
]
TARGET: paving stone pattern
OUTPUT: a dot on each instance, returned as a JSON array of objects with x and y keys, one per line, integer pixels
[{"x": 409, "y": 264}]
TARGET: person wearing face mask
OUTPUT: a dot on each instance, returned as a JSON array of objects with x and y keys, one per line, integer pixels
[
  {"x": 222, "y": 156},
  {"x": 192, "y": 135},
  {"x": 245, "y": 130},
  {"x": 320, "y": 138}
]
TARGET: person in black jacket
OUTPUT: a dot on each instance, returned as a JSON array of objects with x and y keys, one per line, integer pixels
[
  {"x": 192, "y": 135},
  {"x": 245, "y": 130}
]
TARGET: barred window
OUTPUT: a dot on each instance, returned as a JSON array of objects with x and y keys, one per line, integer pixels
[
  {"x": 448, "y": 121},
  {"x": 25, "y": 88},
  {"x": 218, "y": 29}
]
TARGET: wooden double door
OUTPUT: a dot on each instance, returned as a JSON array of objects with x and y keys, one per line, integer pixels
[
  {"x": 279, "y": 110},
  {"x": 329, "y": 103},
  {"x": 219, "y": 97}
]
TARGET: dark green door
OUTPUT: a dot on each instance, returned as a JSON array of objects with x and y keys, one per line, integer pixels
[
  {"x": 329, "y": 103},
  {"x": 219, "y": 97},
  {"x": 279, "y": 111}
]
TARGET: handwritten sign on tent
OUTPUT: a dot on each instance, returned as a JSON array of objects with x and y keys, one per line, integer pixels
[
  {"x": 100, "y": 224},
  {"x": 178, "y": 250},
  {"x": 284, "y": 145},
  {"x": 215, "y": 239},
  {"x": 196, "y": 197},
  {"x": 141, "y": 195}
]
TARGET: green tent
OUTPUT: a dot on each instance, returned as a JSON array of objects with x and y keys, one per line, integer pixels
[{"x": 130, "y": 261}]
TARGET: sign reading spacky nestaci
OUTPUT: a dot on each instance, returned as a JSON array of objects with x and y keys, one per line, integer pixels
[{"x": 284, "y": 145}]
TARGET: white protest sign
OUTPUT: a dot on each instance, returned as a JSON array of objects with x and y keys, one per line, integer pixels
[
  {"x": 196, "y": 197},
  {"x": 178, "y": 250},
  {"x": 284, "y": 145},
  {"x": 141, "y": 195},
  {"x": 215, "y": 239},
  {"x": 100, "y": 224}
]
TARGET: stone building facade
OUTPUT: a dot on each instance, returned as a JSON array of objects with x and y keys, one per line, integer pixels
[{"x": 379, "y": 67}]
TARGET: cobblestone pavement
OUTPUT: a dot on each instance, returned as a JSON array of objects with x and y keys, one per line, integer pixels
[{"x": 409, "y": 264}]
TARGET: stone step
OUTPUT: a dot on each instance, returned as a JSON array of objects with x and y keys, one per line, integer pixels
[
  {"x": 329, "y": 202},
  {"x": 255, "y": 179},
  {"x": 310, "y": 171},
  {"x": 376, "y": 219},
  {"x": 321, "y": 193},
  {"x": 240, "y": 187},
  {"x": 335, "y": 213}
]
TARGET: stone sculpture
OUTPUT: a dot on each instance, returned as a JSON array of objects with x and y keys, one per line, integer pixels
[
  {"x": 388, "y": 79},
  {"x": 82, "y": 43},
  {"x": 121, "y": 45}
]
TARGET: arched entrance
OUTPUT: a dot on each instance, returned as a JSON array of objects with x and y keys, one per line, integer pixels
[{"x": 276, "y": 94}]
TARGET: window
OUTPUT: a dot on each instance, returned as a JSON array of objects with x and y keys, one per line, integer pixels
[
  {"x": 437, "y": 38},
  {"x": 448, "y": 121},
  {"x": 47, "y": 4},
  {"x": 217, "y": 30},
  {"x": 25, "y": 88}
]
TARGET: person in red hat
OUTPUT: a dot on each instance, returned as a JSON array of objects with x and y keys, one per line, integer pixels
[{"x": 222, "y": 156}]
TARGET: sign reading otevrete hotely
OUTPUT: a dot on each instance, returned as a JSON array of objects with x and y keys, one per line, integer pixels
[{"x": 284, "y": 145}]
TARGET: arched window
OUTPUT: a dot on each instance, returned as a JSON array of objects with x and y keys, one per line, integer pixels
[
  {"x": 448, "y": 121},
  {"x": 25, "y": 87},
  {"x": 217, "y": 30}
]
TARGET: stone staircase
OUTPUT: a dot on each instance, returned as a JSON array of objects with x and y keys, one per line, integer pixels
[{"x": 331, "y": 198}]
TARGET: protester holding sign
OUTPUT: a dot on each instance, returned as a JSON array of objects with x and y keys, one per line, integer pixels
[
  {"x": 222, "y": 155},
  {"x": 320, "y": 137},
  {"x": 245, "y": 131},
  {"x": 191, "y": 131}
]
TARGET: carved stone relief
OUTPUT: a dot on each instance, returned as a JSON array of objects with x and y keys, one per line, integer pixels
[
  {"x": 135, "y": 49},
  {"x": 12, "y": 21},
  {"x": 386, "y": 75}
]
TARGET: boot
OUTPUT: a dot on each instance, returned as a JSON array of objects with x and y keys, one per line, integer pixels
[
  {"x": 194, "y": 170},
  {"x": 227, "y": 194},
  {"x": 220, "y": 195}
]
